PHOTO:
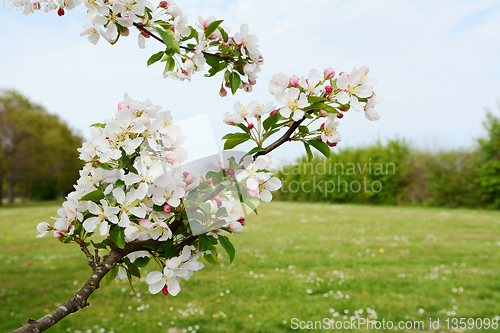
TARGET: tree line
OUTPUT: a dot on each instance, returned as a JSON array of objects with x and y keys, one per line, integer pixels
[
  {"x": 397, "y": 173},
  {"x": 38, "y": 151}
]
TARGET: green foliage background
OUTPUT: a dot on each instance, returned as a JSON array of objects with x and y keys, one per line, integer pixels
[{"x": 401, "y": 174}]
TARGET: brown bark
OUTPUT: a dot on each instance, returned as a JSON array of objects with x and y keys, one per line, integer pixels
[{"x": 80, "y": 300}]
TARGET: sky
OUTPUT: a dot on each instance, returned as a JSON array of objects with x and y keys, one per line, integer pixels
[{"x": 437, "y": 64}]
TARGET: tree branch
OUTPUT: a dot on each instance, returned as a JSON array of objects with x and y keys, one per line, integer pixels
[
  {"x": 92, "y": 260},
  {"x": 283, "y": 139},
  {"x": 77, "y": 302}
]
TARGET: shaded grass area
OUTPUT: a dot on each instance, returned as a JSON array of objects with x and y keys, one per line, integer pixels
[{"x": 304, "y": 261}]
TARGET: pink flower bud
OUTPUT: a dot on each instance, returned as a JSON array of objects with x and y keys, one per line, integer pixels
[
  {"x": 122, "y": 105},
  {"x": 247, "y": 87},
  {"x": 165, "y": 290},
  {"x": 36, "y": 5},
  {"x": 163, "y": 4},
  {"x": 231, "y": 41},
  {"x": 190, "y": 178},
  {"x": 329, "y": 73},
  {"x": 235, "y": 227},
  {"x": 242, "y": 220},
  {"x": 322, "y": 126},
  {"x": 206, "y": 23},
  {"x": 294, "y": 81},
  {"x": 254, "y": 193},
  {"x": 260, "y": 60},
  {"x": 172, "y": 28},
  {"x": 289, "y": 124},
  {"x": 323, "y": 113},
  {"x": 145, "y": 34},
  {"x": 222, "y": 92},
  {"x": 60, "y": 11},
  {"x": 224, "y": 43},
  {"x": 185, "y": 174},
  {"x": 331, "y": 144},
  {"x": 58, "y": 234},
  {"x": 229, "y": 122},
  {"x": 171, "y": 157},
  {"x": 340, "y": 115},
  {"x": 250, "y": 126},
  {"x": 328, "y": 89},
  {"x": 209, "y": 182},
  {"x": 167, "y": 208},
  {"x": 145, "y": 223},
  {"x": 230, "y": 172},
  {"x": 227, "y": 84},
  {"x": 273, "y": 112},
  {"x": 218, "y": 200},
  {"x": 125, "y": 32}
]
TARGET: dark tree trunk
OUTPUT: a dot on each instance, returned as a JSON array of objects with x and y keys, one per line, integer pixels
[
  {"x": 1, "y": 188},
  {"x": 11, "y": 191}
]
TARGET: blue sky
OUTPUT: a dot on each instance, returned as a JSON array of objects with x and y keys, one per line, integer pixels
[{"x": 437, "y": 64}]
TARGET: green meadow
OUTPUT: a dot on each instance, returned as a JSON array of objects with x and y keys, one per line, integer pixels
[{"x": 294, "y": 262}]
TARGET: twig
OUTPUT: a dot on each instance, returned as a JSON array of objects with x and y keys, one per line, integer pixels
[{"x": 92, "y": 261}]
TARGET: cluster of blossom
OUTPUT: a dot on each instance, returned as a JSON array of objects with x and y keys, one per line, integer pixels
[
  {"x": 176, "y": 268},
  {"x": 314, "y": 97},
  {"x": 131, "y": 181},
  {"x": 113, "y": 18}
]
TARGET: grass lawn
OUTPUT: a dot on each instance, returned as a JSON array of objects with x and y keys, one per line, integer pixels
[{"x": 293, "y": 260}]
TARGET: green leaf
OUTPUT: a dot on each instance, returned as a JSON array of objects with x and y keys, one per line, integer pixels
[
  {"x": 314, "y": 99},
  {"x": 326, "y": 107},
  {"x": 119, "y": 182},
  {"x": 303, "y": 129},
  {"x": 102, "y": 125},
  {"x": 165, "y": 36},
  {"x": 211, "y": 28},
  {"x": 212, "y": 61},
  {"x": 255, "y": 150},
  {"x": 237, "y": 136},
  {"x": 225, "y": 37},
  {"x": 118, "y": 237},
  {"x": 142, "y": 261},
  {"x": 211, "y": 259},
  {"x": 112, "y": 274},
  {"x": 234, "y": 81},
  {"x": 270, "y": 121},
  {"x": 175, "y": 45},
  {"x": 170, "y": 65},
  {"x": 204, "y": 242},
  {"x": 105, "y": 166},
  {"x": 228, "y": 246},
  {"x": 133, "y": 269},
  {"x": 98, "y": 245},
  {"x": 205, "y": 206},
  {"x": 309, "y": 152},
  {"x": 155, "y": 57},
  {"x": 231, "y": 143},
  {"x": 94, "y": 196},
  {"x": 321, "y": 146},
  {"x": 243, "y": 128},
  {"x": 157, "y": 208},
  {"x": 149, "y": 245}
]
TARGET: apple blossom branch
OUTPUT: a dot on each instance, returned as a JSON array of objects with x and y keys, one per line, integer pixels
[{"x": 141, "y": 28}]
